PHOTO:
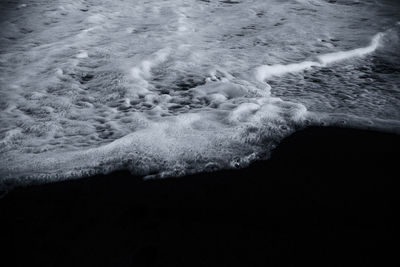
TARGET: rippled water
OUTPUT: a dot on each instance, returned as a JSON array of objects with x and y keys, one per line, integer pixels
[{"x": 175, "y": 87}]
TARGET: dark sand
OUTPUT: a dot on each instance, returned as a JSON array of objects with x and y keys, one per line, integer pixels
[{"x": 326, "y": 198}]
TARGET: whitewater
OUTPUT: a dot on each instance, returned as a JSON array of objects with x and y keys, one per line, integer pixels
[{"x": 170, "y": 88}]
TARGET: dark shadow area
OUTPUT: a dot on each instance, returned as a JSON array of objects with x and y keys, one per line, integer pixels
[{"x": 326, "y": 198}]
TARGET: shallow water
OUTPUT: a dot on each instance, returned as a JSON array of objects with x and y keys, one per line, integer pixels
[{"x": 175, "y": 87}]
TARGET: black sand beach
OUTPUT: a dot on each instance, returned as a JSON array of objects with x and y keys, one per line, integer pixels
[{"x": 326, "y": 198}]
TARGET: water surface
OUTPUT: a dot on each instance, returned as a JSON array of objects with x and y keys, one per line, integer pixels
[{"x": 175, "y": 87}]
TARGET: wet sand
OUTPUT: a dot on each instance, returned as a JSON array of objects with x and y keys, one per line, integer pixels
[{"x": 325, "y": 198}]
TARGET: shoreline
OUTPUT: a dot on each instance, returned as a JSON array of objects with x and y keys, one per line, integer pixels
[{"x": 325, "y": 197}]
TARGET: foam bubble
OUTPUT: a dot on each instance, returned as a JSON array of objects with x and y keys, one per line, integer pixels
[
  {"x": 82, "y": 54},
  {"x": 143, "y": 70},
  {"x": 22, "y": 6}
]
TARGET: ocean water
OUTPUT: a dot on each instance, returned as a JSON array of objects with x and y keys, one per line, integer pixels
[{"x": 168, "y": 88}]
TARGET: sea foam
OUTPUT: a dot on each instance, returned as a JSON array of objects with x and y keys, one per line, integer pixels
[{"x": 266, "y": 71}]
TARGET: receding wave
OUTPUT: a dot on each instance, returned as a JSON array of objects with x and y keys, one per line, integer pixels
[{"x": 177, "y": 89}]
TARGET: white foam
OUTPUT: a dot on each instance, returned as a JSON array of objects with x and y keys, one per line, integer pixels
[
  {"x": 143, "y": 71},
  {"x": 267, "y": 71},
  {"x": 82, "y": 54},
  {"x": 359, "y": 52},
  {"x": 176, "y": 146},
  {"x": 244, "y": 111},
  {"x": 130, "y": 30}
]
